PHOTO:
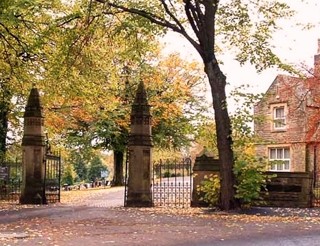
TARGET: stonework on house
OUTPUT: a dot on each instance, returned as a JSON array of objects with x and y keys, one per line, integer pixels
[{"x": 288, "y": 130}]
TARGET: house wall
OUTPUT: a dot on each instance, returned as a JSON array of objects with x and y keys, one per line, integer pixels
[
  {"x": 280, "y": 93},
  {"x": 293, "y": 136},
  {"x": 298, "y": 154},
  {"x": 301, "y": 134}
]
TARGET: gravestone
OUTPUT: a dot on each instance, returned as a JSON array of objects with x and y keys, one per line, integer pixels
[
  {"x": 140, "y": 146},
  {"x": 33, "y": 156}
]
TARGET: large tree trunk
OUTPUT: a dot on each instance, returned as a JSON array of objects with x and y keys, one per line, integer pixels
[
  {"x": 217, "y": 82},
  {"x": 118, "y": 178}
]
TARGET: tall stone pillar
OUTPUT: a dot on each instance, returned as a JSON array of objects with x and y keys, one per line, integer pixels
[
  {"x": 140, "y": 146},
  {"x": 33, "y": 148}
]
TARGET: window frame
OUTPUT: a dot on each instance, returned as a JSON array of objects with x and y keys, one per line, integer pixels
[
  {"x": 279, "y": 123},
  {"x": 280, "y": 156}
]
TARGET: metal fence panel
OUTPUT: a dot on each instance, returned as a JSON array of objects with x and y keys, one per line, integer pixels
[
  {"x": 172, "y": 183},
  {"x": 52, "y": 179},
  {"x": 10, "y": 181}
]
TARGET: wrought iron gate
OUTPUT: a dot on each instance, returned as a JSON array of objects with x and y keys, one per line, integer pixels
[
  {"x": 172, "y": 183},
  {"x": 52, "y": 178},
  {"x": 10, "y": 181},
  {"x": 316, "y": 190}
]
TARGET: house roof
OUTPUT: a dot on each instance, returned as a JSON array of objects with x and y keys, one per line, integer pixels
[{"x": 280, "y": 81}]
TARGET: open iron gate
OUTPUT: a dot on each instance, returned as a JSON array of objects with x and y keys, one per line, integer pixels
[
  {"x": 172, "y": 183},
  {"x": 52, "y": 181},
  {"x": 11, "y": 179},
  {"x": 316, "y": 196}
]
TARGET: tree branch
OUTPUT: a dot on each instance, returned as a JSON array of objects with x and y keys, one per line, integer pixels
[
  {"x": 172, "y": 15},
  {"x": 7, "y": 42},
  {"x": 191, "y": 18},
  {"x": 177, "y": 27},
  {"x": 67, "y": 19},
  {"x": 21, "y": 44}
]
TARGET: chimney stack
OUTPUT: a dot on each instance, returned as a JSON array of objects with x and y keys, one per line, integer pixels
[{"x": 317, "y": 62}]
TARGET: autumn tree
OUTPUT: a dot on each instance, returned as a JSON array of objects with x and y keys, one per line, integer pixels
[
  {"x": 244, "y": 27},
  {"x": 304, "y": 92},
  {"x": 24, "y": 33},
  {"x": 88, "y": 66},
  {"x": 92, "y": 96},
  {"x": 174, "y": 111},
  {"x": 250, "y": 171}
]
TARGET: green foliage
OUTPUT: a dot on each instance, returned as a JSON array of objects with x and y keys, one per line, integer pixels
[
  {"x": 68, "y": 175},
  {"x": 316, "y": 193},
  {"x": 247, "y": 29},
  {"x": 209, "y": 190},
  {"x": 249, "y": 172},
  {"x": 80, "y": 167},
  {"x": 206, "y": 136},
  {"x": 96, "y": 166},
  {"x": 251, "y": 179},
  {"x": 243, "y": 117}
]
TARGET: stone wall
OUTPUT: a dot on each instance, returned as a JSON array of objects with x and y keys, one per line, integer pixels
[
  {"x": 289, "y": 189},
  {"x": 204, "y": 166}
]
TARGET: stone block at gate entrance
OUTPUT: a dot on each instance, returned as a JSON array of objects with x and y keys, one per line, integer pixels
[{"x": 204, "y": 166}]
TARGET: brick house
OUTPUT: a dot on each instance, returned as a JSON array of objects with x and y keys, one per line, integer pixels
[{"x": 289, "y": 129}]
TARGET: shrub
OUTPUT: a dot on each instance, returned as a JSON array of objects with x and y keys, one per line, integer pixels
[
  {"x": 209, "y": 190},
  {"x": 251, "y": 180},
  {"x": 166, "y": 174}
]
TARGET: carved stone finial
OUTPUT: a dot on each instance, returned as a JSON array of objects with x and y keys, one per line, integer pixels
[
  {"x": 141, "y": 95},
  {"x": 33, "y": 108},
  {"x": 140, "y": 132},
  {"x": 140, "y": 106},
  {"x": 205, "y": 152}
]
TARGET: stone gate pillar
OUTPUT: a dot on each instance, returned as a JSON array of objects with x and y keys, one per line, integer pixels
[
  {"x": 140, "y": 145},
  {"x": 205, "y": 165},
  {"x": 33, "y": 148}
]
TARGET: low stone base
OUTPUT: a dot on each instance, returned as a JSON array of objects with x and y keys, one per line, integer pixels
[
  {"x": 138, "y": 199},
  {"x": 199, "y": 204},
  {"x": 32, "y": 199},
  {"x": 139, "y": 204}
]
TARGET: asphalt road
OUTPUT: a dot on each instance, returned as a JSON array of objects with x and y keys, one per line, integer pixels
[{"x": 102, "y": 220}]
